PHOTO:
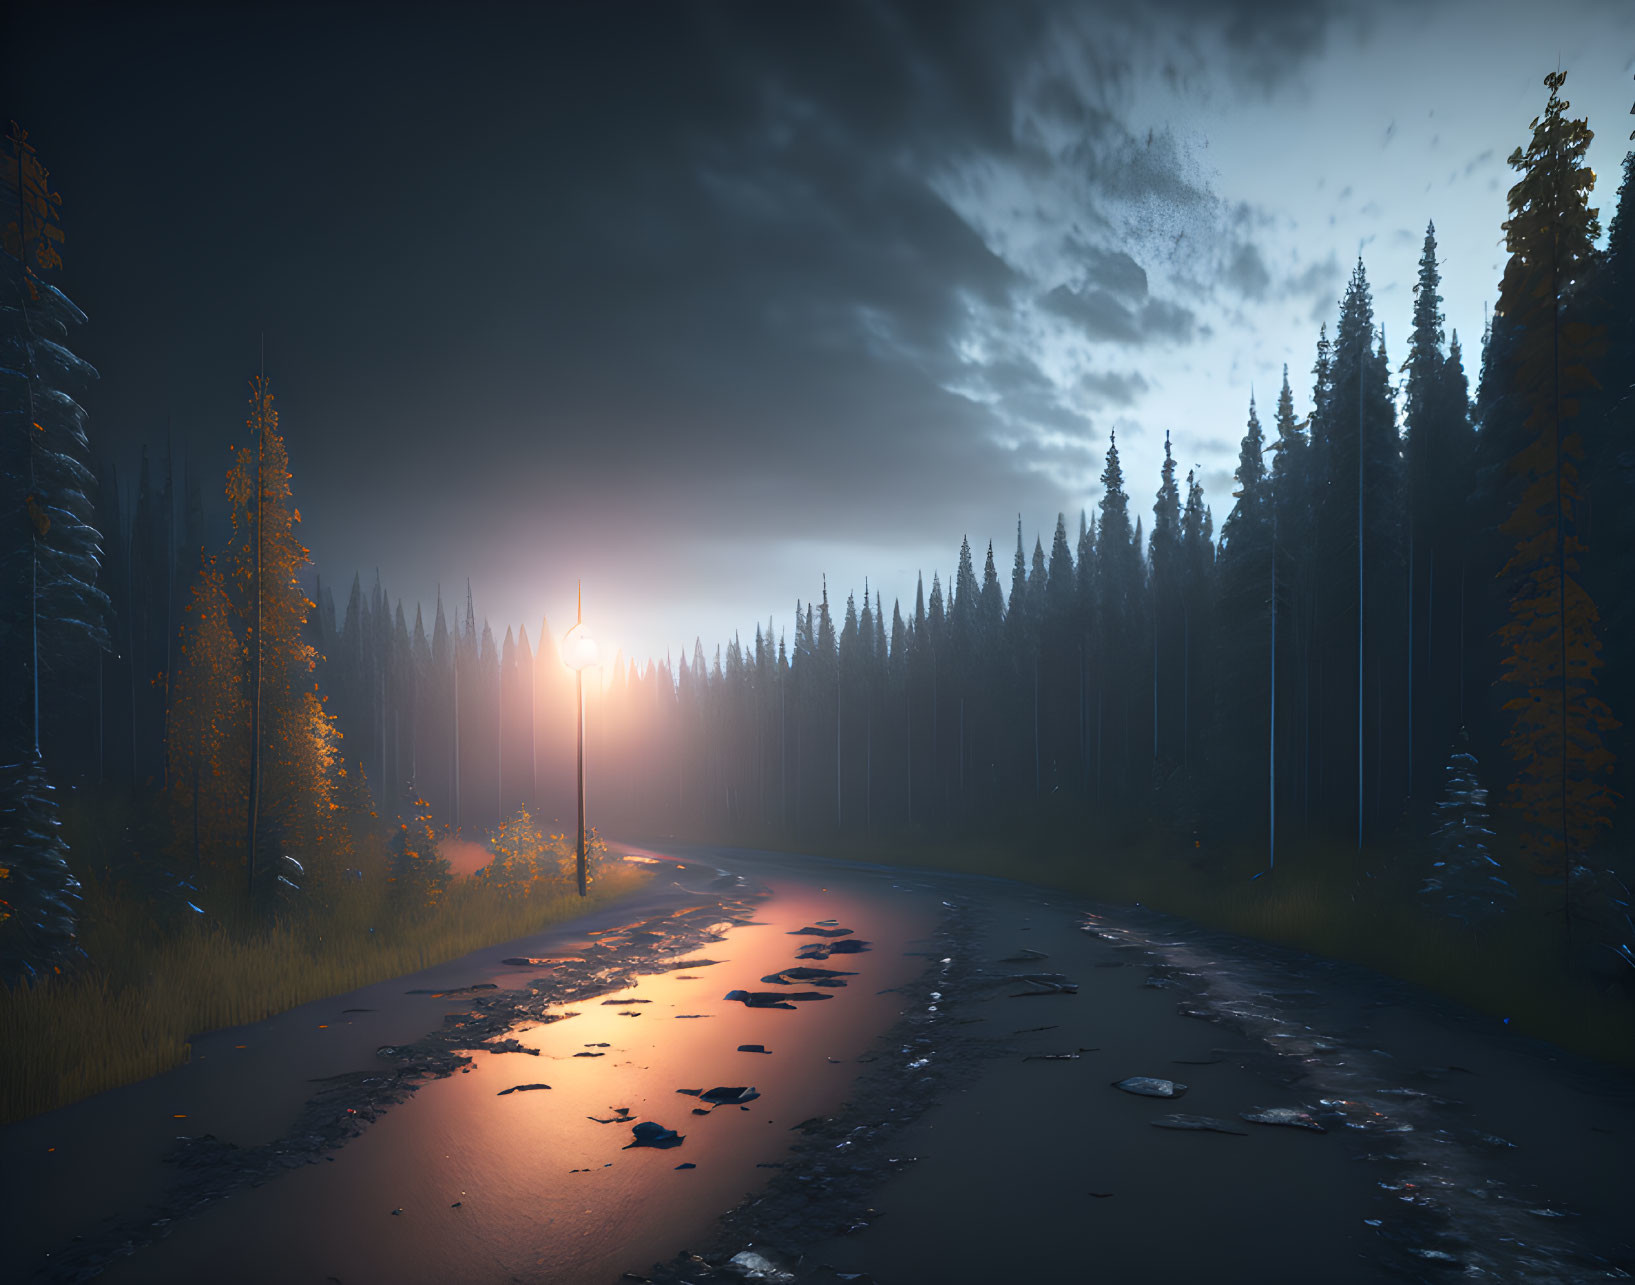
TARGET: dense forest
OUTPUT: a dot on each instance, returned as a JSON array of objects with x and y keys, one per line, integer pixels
[{"x": 1410, "y": 637}]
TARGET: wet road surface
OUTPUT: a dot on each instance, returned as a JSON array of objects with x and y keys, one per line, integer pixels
[{"x": 968, "y": 1098}]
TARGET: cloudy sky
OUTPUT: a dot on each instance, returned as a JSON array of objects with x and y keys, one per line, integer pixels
[{"x": 702, "y": 302}]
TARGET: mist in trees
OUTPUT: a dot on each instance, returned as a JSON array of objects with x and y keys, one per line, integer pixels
[{"x": 1398, "y": 560}]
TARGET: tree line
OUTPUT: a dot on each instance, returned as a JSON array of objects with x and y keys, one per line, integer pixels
[
  {"x": 1405, "y": 586},
  {"x": 1411, "y": 584}
]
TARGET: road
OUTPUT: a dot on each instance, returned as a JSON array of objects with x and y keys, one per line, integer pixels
[{"x": 933, "y": 1116}]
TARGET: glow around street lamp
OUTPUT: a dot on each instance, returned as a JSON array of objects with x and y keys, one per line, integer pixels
[{"x": 579, "y": 648}]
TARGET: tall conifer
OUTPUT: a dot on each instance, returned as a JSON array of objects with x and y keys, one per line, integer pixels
[{"x": 1562, "y": 788}]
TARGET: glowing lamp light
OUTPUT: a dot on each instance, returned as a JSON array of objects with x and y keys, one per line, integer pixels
[{"x": 579, "y": 649}]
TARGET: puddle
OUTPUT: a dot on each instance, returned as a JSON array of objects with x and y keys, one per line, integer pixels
[{"x": 544, "y": 1185}]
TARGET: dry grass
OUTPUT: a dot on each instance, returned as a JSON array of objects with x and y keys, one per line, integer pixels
[{"x": 114, "y": 1023}]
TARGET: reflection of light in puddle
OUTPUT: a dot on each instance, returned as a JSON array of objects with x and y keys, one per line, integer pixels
[{"x": 523, "y": 1212}]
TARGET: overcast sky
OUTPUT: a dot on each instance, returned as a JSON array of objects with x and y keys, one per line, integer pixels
[{"x": 701, "y": 302}]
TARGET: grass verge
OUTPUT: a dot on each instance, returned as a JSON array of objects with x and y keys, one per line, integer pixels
[
  {"x": 1334, "y": 902},
  {"x": 108, "y": 1025}
]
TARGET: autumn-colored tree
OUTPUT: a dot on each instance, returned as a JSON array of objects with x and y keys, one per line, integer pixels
[
  {"x": 419, "y": 876},
  {"x": 1563, "y": 783},
  {"x": 212, "y": 717},
  {"x": 292, "y": 766},
  {"x": 522, "y": 856},
  {"x": 207, "y": 734}
]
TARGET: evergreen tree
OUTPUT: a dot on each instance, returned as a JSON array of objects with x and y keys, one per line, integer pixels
[
  {"x": 1017, "y": 622},
  {"x": 1557, "y": 735},
  {"x": 1248, "y": 526},
  {"x": 991, "y": 613},
  {"x": 1609, "y": 473},
  {"x": 1198, "y": 590},
  {"x": 52, "y": 609},
  {"x": 962, "y": 613},
  {"x": 1291, "y": 490},
  {"x": 50, "y": 552},
  {"x": 1464, "y": 882},
  {"x": 1165, "y": 574},
  {"x": 39, "y": 896},
  {"x": 1322, "y": 392},
  {"x": 1362, "y": 592},
  {"x": 1119, "y": 584},
  {"x": 1290, "y": 473},
  {"x": 1437, "y": 449},
  {"x": 1245, "y": 605},
  {"x": 1119, "y": 563},
  {"x": 1059, "y": 582}
]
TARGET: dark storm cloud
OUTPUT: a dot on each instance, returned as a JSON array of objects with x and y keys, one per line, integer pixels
[
  {"x": 620, "y": 269},
  {"x": 1028, "y": 394},
  {"x": 1100, "y": 314},
  {"x": 1114, "y": 271},
  {"x": 1269, "y": 42}
]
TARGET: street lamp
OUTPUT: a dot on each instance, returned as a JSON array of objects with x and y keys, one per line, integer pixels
[{"x": 579, "y": 654}]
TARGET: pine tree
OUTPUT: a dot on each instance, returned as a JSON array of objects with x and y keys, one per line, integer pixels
[
  {"x": 1198, "y": 576},
  {"x": 1424, "y": 368},
  {"x": 1322, "y": 392},
  {"x": 962, "y": 612},
  {"x": 51, "y": 552},
  {"x": 39, "y": 896},
  {"x": 991, "y": 614},
  {"x": 1557, "y": 736},
  {"x": 1166, "y": 515},
  {"x": 52, "y": 610},
  {"x": 1362, "y": 589},
  {"x": 1244, "y": 606},
  {"x": 1464, "y": 882},
  {"x": 1119, "y": 582},
  {"x": 1609, "y": 471},
  {"x": 1119, "y": 560},
  {"x": 1017, "y": 620}
]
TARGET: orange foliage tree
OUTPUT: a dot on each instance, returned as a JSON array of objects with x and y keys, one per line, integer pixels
[
  {"x": 527, "y": 859},
  {"x": 209, "y": 733},
  {"x": 419, "y": 874}
]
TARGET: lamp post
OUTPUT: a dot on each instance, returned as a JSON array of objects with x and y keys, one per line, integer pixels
[{"x": 579, "y": 654}]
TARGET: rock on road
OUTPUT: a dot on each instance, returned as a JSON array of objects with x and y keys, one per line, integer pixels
[{"x": 991, "y": 1082}]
